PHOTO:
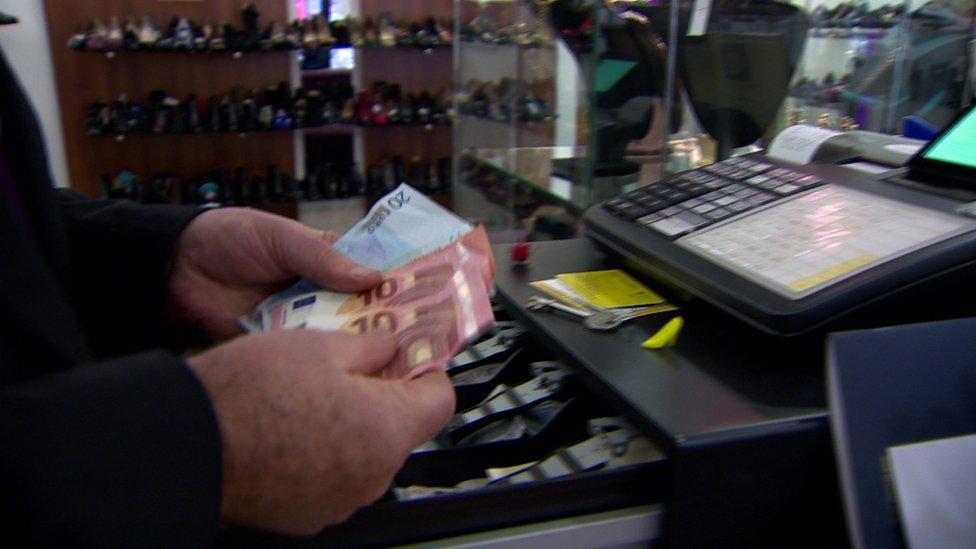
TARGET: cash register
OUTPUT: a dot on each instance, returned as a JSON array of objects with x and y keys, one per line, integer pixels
[{"x": 789, "y": 248}]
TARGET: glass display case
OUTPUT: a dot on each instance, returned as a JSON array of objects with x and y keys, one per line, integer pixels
[
  {"x": 565, "y": 103},
  {"x": 870, "y": 64},
  {"x": 521, "y": 137}
]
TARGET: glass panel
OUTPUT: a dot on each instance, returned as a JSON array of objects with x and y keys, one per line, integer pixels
[{"x": 522, "y": 101}]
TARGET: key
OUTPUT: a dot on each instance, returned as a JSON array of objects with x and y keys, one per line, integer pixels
[
  {"x": 538, "y": 303},
  {"x": 605, "y": 321},
  {"x": 600, "y": 320}
]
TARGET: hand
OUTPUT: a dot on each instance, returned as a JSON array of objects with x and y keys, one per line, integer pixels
[
  {"x": 228, "y": 260},
  {"x": 309, "y": 432}
]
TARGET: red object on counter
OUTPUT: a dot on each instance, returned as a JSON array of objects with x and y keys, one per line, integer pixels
[{"x": 520, "y": 252}]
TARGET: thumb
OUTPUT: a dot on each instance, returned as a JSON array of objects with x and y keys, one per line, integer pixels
[
  {"x": 365, "y": 354},
  {"x": 429, "y": 402},
  {"x": 307, "y": 253}
]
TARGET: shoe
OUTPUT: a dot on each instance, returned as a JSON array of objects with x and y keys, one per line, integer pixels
[
  {"x": 240, "y": 189},
  {"x": 293, "y": 36},
  {"x": 275, "y": 185},
  {"x": 228, "y": 115},
  {"x": 341, "y": 32},
  {"x": 130, "y": 37},
  {"x": 97, "y": 37},
  {"x": 311, "y": 185},
  {"x": 7, "y": 19},
  {"x": 355, "y": 32},
  {"x": 387, "y": 33},
  {"x": 324, "y": 31},
  {"x": 218, "y": 41},
  {"x": 370, "y": 36},
  {"x": 193, "y": 120},
  {"x": 175, "y": 123},
  {"x": 202, "y": 37},
  {"x": 249, "y": 113},
  {"x": 221, "y": 176},
  {"x": 251, "y": 35},
  {"x": 148, "y": 33}
]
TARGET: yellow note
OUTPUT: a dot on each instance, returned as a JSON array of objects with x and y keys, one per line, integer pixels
[
  {"x": 666, "y": 336},
  {"x": 610, "y": 289}
]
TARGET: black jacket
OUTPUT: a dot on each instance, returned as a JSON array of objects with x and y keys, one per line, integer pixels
[{"x": 103, "y": 440}]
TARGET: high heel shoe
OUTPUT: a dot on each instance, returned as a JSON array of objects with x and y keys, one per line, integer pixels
[
  {"x": 324, "y": 31},
  {"x": 183, "y": 35},
  {"x": 7, "y": 19},
  {"x": 148, "y": 33}
]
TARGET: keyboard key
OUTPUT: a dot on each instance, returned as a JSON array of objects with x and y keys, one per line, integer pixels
[
  {"x": 692, "y": 219},
  {"x": 671, "y": 211},
  {"x": 760, "y": 167},
  {"x": 653, "y": 203},
  {"x": 718, "y": 214},
  {"x": 725, "y": 200},
  {"x": 809, "y": 181},
  {"x": 676, "y": 195},
  {"x": 649, "y": 218},
  {"x": 734, "y": 187},
  {"x": 747, "y": 191},
  {"x": 786, "y": 188},
  {"x": 715, "y": 183},
  {"x": 779, "y": 172},
  {"x": 614, "y": 205},
  {"x": 671, "y": 226},
  {"x": 713, "y": 195},
  {"x": 633, "y": 211},
  {"x": 739, "y": 206},
  {"x": 741, "y": 175},
  {"x": 757, "y": 180},
  {"x": 792, "y": 176},
  {"x": 689, "y": 204},
  {"x": 704, "y": 208},
  {"x": 759, "y": 199}
]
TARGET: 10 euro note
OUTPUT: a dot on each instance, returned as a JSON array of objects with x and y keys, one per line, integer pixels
[{"x": 433, "y": 305}]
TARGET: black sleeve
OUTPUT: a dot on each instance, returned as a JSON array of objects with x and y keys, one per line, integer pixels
[
  {"x": 119, "y": 254},
  {"x": 123, "y": 452}
]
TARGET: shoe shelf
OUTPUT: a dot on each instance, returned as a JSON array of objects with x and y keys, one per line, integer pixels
[
  {"x": 338, "y": 128},
  {"x": 197, "y": 64},
  {"x": 237, "y": 54},
  {"x": 326, "y": 72}
]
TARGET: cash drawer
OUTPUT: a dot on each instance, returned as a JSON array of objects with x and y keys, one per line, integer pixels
[{"x": 543, "y": 414}]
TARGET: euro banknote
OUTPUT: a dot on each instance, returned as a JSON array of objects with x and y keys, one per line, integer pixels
[
  {"x": 433, "y": 305},
  {"x": 402, "y": 226}
]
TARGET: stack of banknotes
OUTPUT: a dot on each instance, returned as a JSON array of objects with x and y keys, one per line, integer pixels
[{"x": 438, "y": 275}]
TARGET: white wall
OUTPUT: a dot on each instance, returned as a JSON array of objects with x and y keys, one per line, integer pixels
[{"x": 26, "y": 47}]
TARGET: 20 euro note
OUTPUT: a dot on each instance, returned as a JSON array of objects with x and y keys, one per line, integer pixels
[
  {"x": 433, "y": 306},
  {"x": 402, "y": 226}
]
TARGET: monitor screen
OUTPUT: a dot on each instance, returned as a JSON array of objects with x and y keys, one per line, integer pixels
[{"x": 957, "y": 145}]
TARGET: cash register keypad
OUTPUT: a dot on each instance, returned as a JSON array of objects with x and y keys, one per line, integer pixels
[{"x": 693, "y": 200}]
